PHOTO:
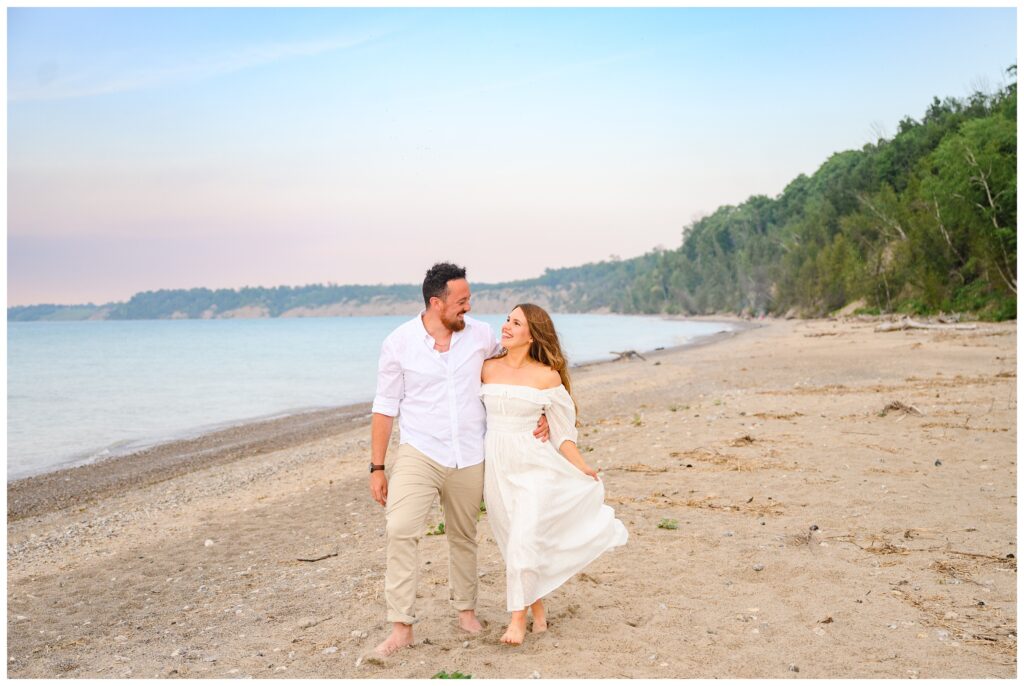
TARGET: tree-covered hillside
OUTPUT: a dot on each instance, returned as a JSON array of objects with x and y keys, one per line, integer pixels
[{"x": 922, "y": 222}]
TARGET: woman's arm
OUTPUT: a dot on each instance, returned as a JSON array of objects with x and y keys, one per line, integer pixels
[{"x": 570, "y": 452}]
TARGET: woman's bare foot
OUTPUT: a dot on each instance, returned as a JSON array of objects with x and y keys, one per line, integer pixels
[
  {"x": 516, "y": 630},
  {"x": 401, "y": 636},
  {"x": 540, "y": 621}
]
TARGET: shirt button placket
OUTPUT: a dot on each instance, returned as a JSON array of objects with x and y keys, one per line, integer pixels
[{"x": 454, "y": 414}]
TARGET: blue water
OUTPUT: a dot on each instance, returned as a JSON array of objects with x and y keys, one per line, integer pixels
[{"x": 80, "y": 391}]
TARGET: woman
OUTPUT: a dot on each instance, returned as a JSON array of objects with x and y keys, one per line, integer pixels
[{"x": 545, "y": 504}]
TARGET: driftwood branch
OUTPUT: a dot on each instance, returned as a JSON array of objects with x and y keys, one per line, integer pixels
[
  {"x": 627, "y": 355},
  {"x": 317, "y": 559},
  {"x": 908, "y": 323}
]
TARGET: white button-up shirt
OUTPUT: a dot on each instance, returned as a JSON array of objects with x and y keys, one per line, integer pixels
[{"x": 436, "y": 396}]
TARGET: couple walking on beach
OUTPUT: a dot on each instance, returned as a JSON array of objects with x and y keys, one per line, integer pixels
[{"x": 461, "y": 396}]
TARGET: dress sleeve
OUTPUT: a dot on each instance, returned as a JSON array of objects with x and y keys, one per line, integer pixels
[{"x": 561, "y": 414}]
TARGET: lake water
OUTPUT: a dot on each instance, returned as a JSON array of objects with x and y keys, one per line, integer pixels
[{"x": 81, "y": 391}]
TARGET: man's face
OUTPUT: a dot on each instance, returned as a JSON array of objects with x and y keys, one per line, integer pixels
[{"x": 455, "y": 305}]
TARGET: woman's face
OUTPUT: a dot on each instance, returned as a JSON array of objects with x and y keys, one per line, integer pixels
[{"x": 515, "y": 332}]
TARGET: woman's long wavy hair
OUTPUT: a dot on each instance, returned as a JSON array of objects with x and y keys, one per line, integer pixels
[{"x": 546, "y": 347}]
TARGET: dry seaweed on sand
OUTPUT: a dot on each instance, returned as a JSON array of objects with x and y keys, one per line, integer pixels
[
  {"x": 899, "y": 406},
  {"x": 638, "y": 467}
]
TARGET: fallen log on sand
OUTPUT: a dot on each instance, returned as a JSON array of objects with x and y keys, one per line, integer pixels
[
  {"x": 908, "y": 323},
  {"x": 627, "y": 355}
]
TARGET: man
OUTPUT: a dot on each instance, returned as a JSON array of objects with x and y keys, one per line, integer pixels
[{"x": 429, "y": 376}]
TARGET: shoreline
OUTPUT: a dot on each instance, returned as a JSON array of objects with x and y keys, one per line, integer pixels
[
  {"x": 75, "y": 484},
  {"x": 71, "y": 486}
]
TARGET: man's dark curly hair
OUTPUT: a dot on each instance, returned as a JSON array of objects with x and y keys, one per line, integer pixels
[{"x": 435, "y": 283}]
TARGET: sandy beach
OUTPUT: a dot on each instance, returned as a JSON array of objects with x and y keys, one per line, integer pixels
[{"x": 834, "y": 502}]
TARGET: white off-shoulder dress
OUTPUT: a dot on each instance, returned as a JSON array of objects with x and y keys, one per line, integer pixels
[{"x": 548, "y": 518}]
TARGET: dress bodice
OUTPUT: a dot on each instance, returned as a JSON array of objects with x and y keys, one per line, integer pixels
[{"x": 517, "y": 408}]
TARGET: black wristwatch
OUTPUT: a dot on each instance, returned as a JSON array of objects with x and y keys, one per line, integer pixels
[{"x": 375, "y": 467}]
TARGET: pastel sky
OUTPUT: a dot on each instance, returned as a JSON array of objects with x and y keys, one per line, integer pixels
[{"x": 175, "y": 148}]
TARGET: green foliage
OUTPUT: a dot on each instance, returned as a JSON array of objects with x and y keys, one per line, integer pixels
[
  {"x": 451, "y": 675},
  {"x": 200, "y": 302},
  {"x": 51, "y": 313},
  {"x": 668, "y": 524},
  {"x": 437, "y": 530}
]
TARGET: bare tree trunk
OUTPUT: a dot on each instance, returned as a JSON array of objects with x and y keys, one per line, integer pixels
[
  {"x": 1009, "y": 275},
  {"x": 880, "y": 271},
  {"x": 945, "y": 234},
  {"x": 886, "y": 220}
]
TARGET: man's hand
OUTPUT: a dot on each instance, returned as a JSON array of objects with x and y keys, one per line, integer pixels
[
  {"x": 542, "y": 432},
  {"x": 379, "y": 487},
  {"x": 380, "y": 434}
]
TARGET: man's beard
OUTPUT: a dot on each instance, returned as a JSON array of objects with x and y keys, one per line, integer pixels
[{"x": 454, "y": 324}]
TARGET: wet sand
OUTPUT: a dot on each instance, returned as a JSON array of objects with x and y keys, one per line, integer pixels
[{"x": 817, "y": 533}]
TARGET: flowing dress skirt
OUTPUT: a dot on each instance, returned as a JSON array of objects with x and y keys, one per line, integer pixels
[{"x": 548, "y": 518}]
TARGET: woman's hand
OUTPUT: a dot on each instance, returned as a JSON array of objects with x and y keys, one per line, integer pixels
[{"x": 590, "y": 471}]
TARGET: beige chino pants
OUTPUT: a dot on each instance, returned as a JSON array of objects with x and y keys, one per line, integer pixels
[{"x": 414, "y": 480}]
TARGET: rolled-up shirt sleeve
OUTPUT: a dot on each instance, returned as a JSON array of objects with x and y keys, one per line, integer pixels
[{"x": 390, "y": 381}]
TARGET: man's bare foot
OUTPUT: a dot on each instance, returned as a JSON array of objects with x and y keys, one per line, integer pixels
[
  {"x": 516, "y": 630},
  {"x": 540, "y": 622},
  {"x": 469, "y": 623},
  {"x": 401, "y": 636}
]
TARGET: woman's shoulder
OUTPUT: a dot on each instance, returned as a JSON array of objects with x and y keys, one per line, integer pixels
[
  {"x": 488, "y": 369},
  {"x": 548, "y": 377}
]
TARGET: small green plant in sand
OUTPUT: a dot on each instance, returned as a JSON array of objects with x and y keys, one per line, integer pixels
[
  {"x": 437, "y": 531},
  {"x": 451, "y": 675},
  {"x": 668, "y": 524},
  {"x": 637, "y": 420}
]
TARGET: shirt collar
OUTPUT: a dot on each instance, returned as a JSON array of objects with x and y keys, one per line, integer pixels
[{"x": 427, "y": 338}]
